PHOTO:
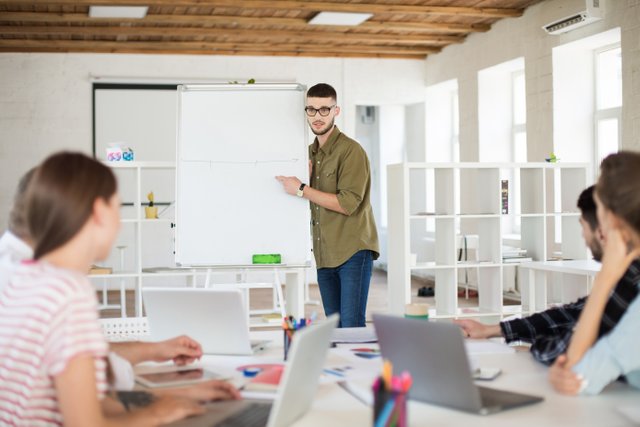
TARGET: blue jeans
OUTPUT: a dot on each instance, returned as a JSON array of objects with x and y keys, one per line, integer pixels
[{"x": 344, "y": 289}]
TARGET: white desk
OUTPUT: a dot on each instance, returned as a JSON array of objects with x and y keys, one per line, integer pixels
[
  {"x": 336, "y": 407},
  {"x": 576, "y": 273}
]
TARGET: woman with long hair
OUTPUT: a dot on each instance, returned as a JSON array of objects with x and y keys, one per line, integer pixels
[
  {"x": 53, "y": 368},
  {"x": 588, "y": 368}
]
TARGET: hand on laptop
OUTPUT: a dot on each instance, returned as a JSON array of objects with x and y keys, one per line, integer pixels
[
  {"x": 182, "y": 350},
  {"x": 562, "y": 378},
  {"x": 168, "y": 409},
  {"x": 477, "y": 330},
  {"x": 205, "y": 391}
]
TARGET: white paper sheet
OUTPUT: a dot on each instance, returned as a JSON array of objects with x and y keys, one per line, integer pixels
[
  {"x": 475, "y": 347},
  {"x": 354, "y": 335}
]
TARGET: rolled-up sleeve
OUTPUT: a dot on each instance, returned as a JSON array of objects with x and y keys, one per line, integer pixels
[
  {"x": 615, "y": 354},
  {"x": 353, "y": 180}
]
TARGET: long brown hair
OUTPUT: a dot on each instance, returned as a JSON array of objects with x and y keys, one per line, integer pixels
[
  {"x": 618, "y": 187},
  {"x": 60, "y": 198}
]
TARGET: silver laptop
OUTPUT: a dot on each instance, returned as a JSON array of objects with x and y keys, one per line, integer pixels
[
  {"x": 437, "y": 361},
  {"x": 295, "y": 393},
  {"x": 217, "y": 319}
]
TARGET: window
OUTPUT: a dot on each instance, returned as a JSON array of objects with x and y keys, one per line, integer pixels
[
  {"x": 587, "y": 105},
  {"x": 608, "y": 114}
]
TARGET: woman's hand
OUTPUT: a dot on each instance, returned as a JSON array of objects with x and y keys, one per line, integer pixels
[
  {"x": 168, "y": 409},
  {"x": 563, "y": 379},
  {"x": 206, "y": 391},
  {"x": 616, "y": 258}
]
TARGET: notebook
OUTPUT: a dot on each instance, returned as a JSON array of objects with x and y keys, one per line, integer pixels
[
  {"x": 217, "y": 319},
  {"x": 439, "y": 365},
  {"x": 295, "y": 394}
]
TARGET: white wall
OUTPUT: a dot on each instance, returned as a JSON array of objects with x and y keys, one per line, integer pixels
[
  {"x": 45, "y": 99},
  {"x": 512, "y": 38}
]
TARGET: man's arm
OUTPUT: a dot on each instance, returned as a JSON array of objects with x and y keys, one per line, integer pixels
[
  {"x": 547, "y": 348},
  {"x": 546, "y": 323},
  {"x": 291, "y": 184}
]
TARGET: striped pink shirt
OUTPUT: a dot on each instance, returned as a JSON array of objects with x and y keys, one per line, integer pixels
[{"x": 48, "y": 316}]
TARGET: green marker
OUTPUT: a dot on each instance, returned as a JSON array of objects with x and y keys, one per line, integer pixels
[{"x": 267, "y": 259}]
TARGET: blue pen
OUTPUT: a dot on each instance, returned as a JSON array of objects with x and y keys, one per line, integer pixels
[
  {"x": 333, "y": 372},
  {"x": 385, "y": 414}
]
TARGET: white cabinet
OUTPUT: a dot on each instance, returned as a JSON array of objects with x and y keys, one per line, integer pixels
[{"x": 465, "y": 204}]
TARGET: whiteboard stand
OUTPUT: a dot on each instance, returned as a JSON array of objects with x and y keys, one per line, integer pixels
[
  {"x": 307, "y": 298},
  {"x": 294, "y": 277}
]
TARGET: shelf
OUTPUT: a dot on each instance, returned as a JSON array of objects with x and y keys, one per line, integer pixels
[
  {"x": 475, "y": 191},
  {"x": 121, "y": 275},
  {"x": 436, "y": 216},
  {"x": 135, "y": 165},
  {"x": 464, "y": 313},
  {"x": 431, "y": 266},
  {"x": 477, "y": 264},
  {"x": 577, "y": 214},
  {"x": 135, "y": 220}
]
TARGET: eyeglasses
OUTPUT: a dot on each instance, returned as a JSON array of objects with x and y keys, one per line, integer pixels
[{"x": 324, "y": 111}]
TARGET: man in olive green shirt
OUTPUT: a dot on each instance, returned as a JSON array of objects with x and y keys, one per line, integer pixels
[{"x": 345, "y": 239}]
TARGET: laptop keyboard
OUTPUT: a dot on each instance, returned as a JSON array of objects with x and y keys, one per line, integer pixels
[{"x": 254, "y": 415}]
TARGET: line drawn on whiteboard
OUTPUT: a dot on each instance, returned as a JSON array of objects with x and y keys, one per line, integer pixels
[{"x": 239, "y": 162}]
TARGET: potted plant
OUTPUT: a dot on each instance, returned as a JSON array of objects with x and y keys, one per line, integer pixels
[{"x": 151, "y": 211}]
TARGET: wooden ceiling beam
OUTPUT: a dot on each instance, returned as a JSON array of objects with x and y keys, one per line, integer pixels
[
  {"x": 208, "y": 52},
  {"x": 229, "y": 33},
  {"x": 54, "y": 17},
  {"x": 212, "y": 47},
  {"x": 314, "y": 6}
]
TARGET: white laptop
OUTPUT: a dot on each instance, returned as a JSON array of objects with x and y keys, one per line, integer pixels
[
  {"x": 295, "y": 393},
  {"x": 437, "y": 361},
  {"x": 217, "y": 319}
]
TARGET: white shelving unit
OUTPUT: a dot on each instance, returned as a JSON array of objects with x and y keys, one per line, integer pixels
[
  {"x": 135, "y": 179},
  {"x": 134, "y": 216},
  {"x": 467, "y": 201}
]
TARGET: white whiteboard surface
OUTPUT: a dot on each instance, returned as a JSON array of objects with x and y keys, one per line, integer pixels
[{"x": 232, "y": 142}]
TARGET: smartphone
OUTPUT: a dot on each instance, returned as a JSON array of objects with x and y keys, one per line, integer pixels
[
  {"x": 486, "y": 374},
  {"x": 176, "y": 377}
]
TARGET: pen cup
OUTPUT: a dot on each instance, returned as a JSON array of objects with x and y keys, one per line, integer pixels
[{"x": 389, "y": 408}]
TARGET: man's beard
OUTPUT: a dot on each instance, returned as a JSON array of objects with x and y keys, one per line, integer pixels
[{"x": 324, "y": 130}]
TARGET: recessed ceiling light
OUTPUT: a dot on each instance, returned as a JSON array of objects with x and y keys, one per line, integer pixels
[
  {"x": 340, "y": 18},
  {"x": 118, "y": 11}
]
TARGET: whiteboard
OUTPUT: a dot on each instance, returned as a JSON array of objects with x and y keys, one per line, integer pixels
[{"x": 232, "y": 142}]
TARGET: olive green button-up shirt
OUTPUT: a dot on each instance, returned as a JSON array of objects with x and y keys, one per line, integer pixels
[{"x": 341, "y": 167}]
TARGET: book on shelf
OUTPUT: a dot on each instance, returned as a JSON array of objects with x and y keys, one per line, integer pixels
[
  {"x": 509, "y": 252},
  {"x": 504, "y": 195},
  {"x": 96, "y": 269},
  {"x": 516, "y": 260}
]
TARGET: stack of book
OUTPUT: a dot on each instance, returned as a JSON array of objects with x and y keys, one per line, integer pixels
[{"x": 514, "y": 255}]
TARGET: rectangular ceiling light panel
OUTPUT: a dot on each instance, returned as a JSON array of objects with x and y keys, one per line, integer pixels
[{"x": 339, "y": 18}]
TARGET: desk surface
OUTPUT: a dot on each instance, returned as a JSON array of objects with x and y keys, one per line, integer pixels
[
  {"x": 519, "y": 373},
  {"x": 587, "y": 267}
]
